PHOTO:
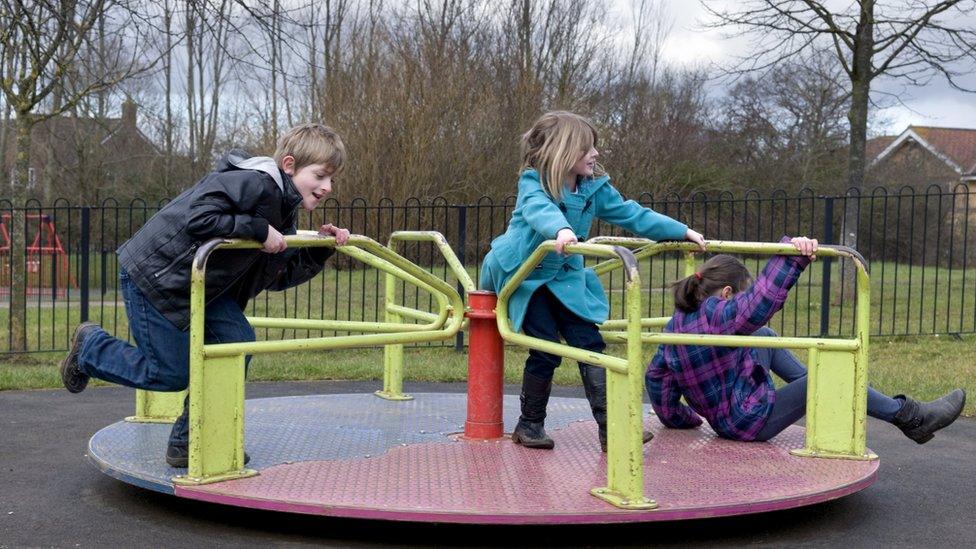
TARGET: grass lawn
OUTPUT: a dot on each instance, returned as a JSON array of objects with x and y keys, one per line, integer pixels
[{"x": 923, "y": 367}]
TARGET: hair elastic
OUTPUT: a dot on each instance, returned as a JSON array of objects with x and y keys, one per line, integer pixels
[{"x": 698, "y": 276}]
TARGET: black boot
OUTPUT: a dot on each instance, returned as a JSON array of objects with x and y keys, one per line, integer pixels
[
  {"x": 595, "y": 385},
  {"x": 177, "y": 448},
  {"x": 530, "y": 431},
  {"x": 73, "y": 378},
  {"x": 920, "y": 420}
]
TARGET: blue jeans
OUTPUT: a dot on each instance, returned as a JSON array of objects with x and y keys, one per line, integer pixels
[
  {"x": 160, "y": 359},
  {"x": 546, "y": 318},
  {"x": 791, "y": 399}
]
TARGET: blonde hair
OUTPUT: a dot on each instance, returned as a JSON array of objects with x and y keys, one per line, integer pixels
[
  {"x": 554, "y": 144},
  {"x": 312, "y": 144}
]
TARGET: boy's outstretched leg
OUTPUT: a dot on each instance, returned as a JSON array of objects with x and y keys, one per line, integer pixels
[{"x": 920, "y": 420}]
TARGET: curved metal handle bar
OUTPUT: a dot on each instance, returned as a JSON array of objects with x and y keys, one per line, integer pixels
[
  {"x": 217, "y": 371},
  {"x": 301, "y": 240},
  {"x": 438, "y": 239},
  {"x": 779, "y": 342},
  {"x": 625, "y": 256},
  {"x": 360, "y": 247},
  {"x": 629, "y": 242},
  {"x": 648, "y": 248}
]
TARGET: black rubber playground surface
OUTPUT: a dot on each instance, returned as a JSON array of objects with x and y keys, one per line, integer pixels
[{"x": 51, "y": 496}]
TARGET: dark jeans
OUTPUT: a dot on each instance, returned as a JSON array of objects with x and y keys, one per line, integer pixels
[
  {"x": 547, "y": 318},
  {"x": 791, "y": 399},
  {"x": 160, "y": 360}
]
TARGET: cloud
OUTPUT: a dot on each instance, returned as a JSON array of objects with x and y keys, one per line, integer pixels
[{"x": 936, "y": 103}]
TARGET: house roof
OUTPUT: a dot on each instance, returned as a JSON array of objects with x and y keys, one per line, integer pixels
[
  {"x": 876, "y": 145},
  {"x": 954, "y": 146},
  {"x": 63, "y": 135}
]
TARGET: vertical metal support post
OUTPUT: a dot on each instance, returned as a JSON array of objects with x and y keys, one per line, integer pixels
[
  {"x": 861, "y": 363},
  {"x": 828, "y": 238},
  {"x": 486, "y": 369},
  {"x": 392, "y": 354},
  {"x": 85, "y": 245},
  {"x": 625, "y": 411},
  {"x": 690, "y": 266},
  {"x": 462, "y": 238},
  {"x": 157, "y": 407},
  {"x": 216, "y": 404},
  {"x": 837, "y": 393}
]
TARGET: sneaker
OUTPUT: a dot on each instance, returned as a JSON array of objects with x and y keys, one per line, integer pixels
[
  {"x": 73, "y": 378},
  {"x": 179, "y": 456}
]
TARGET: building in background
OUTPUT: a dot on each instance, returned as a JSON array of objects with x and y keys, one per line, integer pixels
[
  {"x": 924, "y": 155},
  {"x": 86, "y": 159}
]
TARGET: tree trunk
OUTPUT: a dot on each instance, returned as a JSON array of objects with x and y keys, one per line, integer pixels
[
  {"x": 191, "y": 98},
  {"x": 168, "y": 89},
  {"x": 4, "y": 138},
  {"x": 857, "y": 116},
  {"x": 18, "y": 239}
]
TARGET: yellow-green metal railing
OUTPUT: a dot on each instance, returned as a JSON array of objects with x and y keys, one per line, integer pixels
[
  {"x": 393, "y": 354},
  {"x": 625, "y": 379},
  {"x": 217, "y": 370},
  {"x": 837, "y": 378},
  {"x": 159, "y": 407}
]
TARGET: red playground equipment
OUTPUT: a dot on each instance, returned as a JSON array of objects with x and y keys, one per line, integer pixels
[{"x": 47, "y": 262}]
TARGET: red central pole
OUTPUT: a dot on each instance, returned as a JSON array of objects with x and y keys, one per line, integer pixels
[{"x": 486, "y": 368}]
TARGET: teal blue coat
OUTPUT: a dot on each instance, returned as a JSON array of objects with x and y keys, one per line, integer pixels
[{"x": 537, "y": 217}]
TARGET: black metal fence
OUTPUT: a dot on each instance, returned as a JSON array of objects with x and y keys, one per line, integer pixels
[{"x": 920, "y": 244}]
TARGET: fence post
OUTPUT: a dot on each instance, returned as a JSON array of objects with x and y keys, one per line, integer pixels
[
  {"x": 828, "y": 238},
  {"x": 462, "y": 244},
  {"x": 85, "y": 245}
]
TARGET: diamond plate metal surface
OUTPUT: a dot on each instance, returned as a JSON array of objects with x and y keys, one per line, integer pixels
[
  {"x": 360, "y": 456},
  {"x": 307, "y": 428}
]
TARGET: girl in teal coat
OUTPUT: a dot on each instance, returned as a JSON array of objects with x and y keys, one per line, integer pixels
[{"x": 560, "y": 191}]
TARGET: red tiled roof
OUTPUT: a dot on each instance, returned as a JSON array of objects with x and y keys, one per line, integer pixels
[
  {"x": 875, "y": 145},
  {"x": 957, "y": 144}
]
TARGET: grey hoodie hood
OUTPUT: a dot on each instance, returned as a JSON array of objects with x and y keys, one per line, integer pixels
[{"x": 241, "y": 160}]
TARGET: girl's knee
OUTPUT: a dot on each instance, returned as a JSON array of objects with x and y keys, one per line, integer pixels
[{"x": 765, "y": 331}]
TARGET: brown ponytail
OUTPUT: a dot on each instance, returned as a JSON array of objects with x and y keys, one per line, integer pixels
[{"x": 718, "y": 272}]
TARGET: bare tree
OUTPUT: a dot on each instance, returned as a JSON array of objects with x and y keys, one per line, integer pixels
[
  {"x": 44, "y": 45},
  {"x": 911, "y": 41},
  {"x": 788, "y": 128},
  {"x": 652, "y": 23},
  {"x": 207, "y": 31}
]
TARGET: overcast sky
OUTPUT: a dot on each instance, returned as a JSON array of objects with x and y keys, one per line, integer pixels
[{"x": 936, "y": 104}]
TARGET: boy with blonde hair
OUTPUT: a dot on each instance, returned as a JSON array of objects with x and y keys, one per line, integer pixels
[{"x": 245, "y": 197}]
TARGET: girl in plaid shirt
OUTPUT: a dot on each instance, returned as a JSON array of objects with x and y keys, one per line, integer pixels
[{"x": 731, "y": 387}]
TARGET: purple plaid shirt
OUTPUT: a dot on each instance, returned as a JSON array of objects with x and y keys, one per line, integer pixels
[{"x": 722, "y": 384}]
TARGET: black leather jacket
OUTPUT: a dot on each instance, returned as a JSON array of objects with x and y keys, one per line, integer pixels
[{"x": 239, "y": 199}]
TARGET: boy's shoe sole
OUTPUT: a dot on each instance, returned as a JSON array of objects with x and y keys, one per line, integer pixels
[{"x": 75, "y": 380}]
